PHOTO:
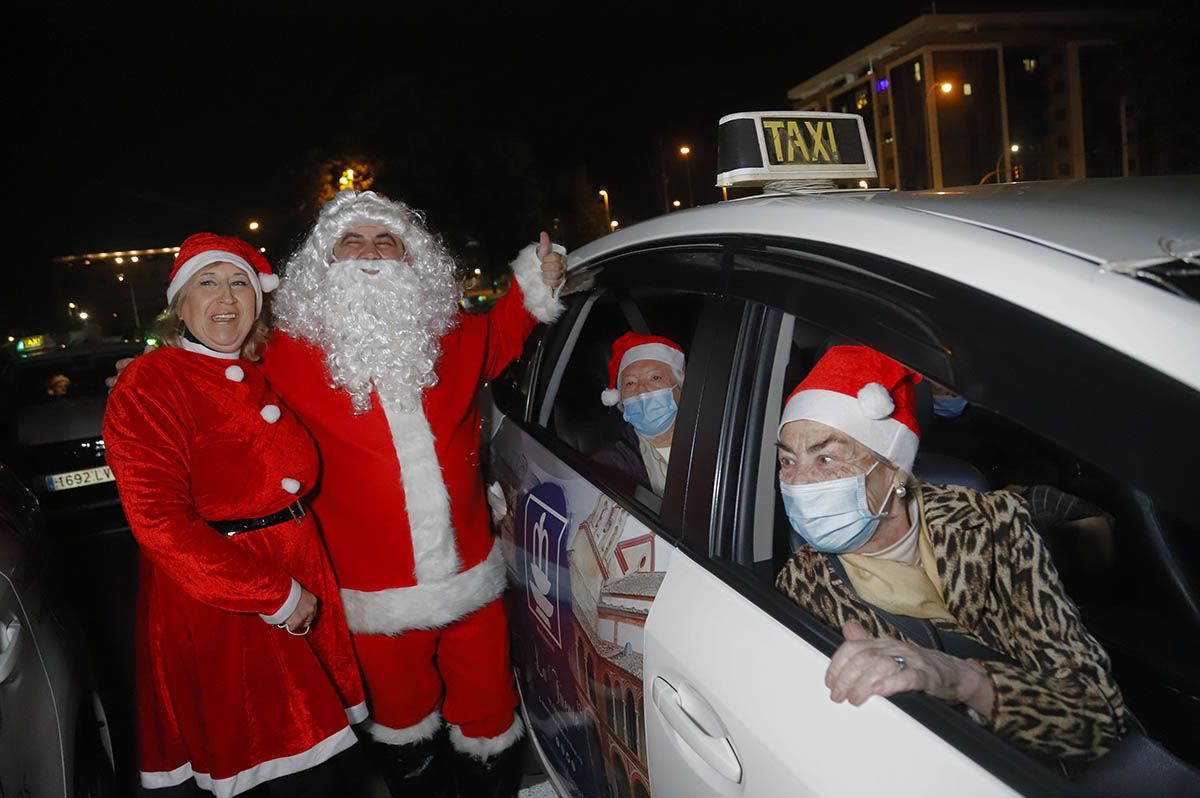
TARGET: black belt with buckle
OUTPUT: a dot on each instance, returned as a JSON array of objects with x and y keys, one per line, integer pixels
[{"x": 293, "y": 512}]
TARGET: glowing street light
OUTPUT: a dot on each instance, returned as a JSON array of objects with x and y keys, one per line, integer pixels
[
  {"x": 120, "y": 261},
  {"x": 121, "y": 278},
  {"x": 685, "y": 151},
  {"x": 71, "y": 305},
  {"x": 478, "y": 272},
  {"x": 133, "y": 259},
  {"x": 607, "y": 212},
  {"x": 83, "y": 314},
  {"x": 675, "y": 204},
  {"x": 253, "y": 225},
  {"x": 946, "y": 87},
  {"x": 614, "y": 224},
  {"x": 1015, "y": 148}
]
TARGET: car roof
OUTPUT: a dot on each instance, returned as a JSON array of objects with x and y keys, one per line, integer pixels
[{"x": 1038, "y": 245}]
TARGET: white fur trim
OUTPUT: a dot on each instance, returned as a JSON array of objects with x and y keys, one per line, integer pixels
[
  {"x": 253, "y": 776},
  {"x": 269, "y": 282},
  {"x": 885, "y": 436},
  {"x": 423, "y": 730},
  {"x": 542, "y": 303},
  {"x": 875, "y": 401},
  {"x": 286, "y": 608},
  {"x": 610, "y": 396},
  {"x": 357, "y": 713},
  {"x": 197, "y": 262},
  {"x": 426, "y": 606},
  {"x": 270, "y": 413},
  {"x": 235, "y": 374},
  {"x": 660, "y": 352},
  {"x": 290, "y": 485},
  {"x": 426, "y": 501},
  {"x": 483, "y": 748}
]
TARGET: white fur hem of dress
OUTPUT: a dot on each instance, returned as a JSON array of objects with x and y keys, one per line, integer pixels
[
  {"x": 258, "y": 774},
  {"x": 485, "y": 747},
  {"x": 542, "y": 303},
  {"x": 426, "y": 606},
  {"x": 422, "y": 730}
]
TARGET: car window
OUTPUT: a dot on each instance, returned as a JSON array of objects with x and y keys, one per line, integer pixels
[
  {"x": 574, "y": 410},
  {"x": 1103, "y": 481}
]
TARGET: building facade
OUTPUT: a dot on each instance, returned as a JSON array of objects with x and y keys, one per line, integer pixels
[{"x": 962, "y": 99}]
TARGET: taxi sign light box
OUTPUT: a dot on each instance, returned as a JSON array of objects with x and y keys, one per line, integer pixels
[{"x": 759, "y": 147}]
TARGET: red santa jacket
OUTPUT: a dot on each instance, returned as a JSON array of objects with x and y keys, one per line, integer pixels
[{"x": 400, "y": 500}]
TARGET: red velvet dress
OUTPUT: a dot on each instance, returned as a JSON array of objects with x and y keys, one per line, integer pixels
[{"x": 224, "y": 696}]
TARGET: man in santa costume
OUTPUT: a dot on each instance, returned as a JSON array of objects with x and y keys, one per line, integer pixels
[
  {"x": 645, "y": 377},
  {"x": 373, "y": 353}
]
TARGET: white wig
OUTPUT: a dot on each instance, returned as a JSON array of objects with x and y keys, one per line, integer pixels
[{"x": 379, "y": 332}]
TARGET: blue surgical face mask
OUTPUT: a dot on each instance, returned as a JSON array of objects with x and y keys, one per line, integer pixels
[
  {"x": 651, "y": 413},
  {"x": 949, "y": 406},
  {"x": 833, "y": 516}
]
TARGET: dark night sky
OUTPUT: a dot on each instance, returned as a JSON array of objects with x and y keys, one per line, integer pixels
[{"x": 133, "y": 130}]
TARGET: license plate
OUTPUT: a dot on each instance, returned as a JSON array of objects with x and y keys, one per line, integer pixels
[{"x": 78, "y": 479}]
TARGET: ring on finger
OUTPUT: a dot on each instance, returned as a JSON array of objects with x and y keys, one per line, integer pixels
[{"x": 899, "y": 660}]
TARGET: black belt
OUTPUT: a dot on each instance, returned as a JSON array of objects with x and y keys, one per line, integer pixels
[{"x": 293, "y": 512}]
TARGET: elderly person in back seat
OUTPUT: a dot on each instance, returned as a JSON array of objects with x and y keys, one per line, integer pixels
[
  {"x": 645, "y": 375},
  {"x": 888, "y": 559}
]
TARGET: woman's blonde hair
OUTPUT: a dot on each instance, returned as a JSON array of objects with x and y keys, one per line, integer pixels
[{"x": 169, "y": 326}]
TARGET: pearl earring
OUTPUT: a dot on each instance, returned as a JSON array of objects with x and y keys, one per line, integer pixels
[{"x": 901, "y": 491}]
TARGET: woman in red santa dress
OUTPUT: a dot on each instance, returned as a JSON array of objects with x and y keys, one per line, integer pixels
[{"x": 247, "y": 679}]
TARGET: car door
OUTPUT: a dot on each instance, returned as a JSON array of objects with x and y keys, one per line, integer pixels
[
  {"x": 32, "y": 753},
  {"x": 587, "y": 546},
  {"x": 735, "y": 672}
]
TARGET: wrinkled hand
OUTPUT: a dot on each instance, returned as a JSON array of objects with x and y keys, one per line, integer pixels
[
  {"x": 303, "y": 616},
  {"x": 554, "y": 264},
  {"x": 863, "y": 666}
]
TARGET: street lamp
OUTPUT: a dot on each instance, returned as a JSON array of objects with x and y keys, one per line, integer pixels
[
  {"x": 675, "y": 204},
  {"x": 685, "y": 151},
  {"x": 253, "y": 226},
  {"x": 614, "y": 224},
  {"x": 83, "y": 314},
  {"x": 945, "y": 87},
  {"x": 607, "y": 214}
]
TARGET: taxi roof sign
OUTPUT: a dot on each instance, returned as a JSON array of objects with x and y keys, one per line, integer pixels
[{"x": 759, "y": 147}]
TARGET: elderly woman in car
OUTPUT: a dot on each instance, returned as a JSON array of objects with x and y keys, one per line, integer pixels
[
  {"x": 645, "y": 376},
  {"x": 246, "y": 672},
  {"x": 944, "y": 590}
]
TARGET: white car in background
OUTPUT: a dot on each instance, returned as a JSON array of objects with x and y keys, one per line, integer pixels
[{"x": 654, "y": 655}]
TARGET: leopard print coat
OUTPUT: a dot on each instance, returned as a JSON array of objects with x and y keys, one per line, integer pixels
[{"x": 1002, "y": 588}]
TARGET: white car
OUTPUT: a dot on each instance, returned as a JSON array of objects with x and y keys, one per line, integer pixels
[{"x": 654, "y": 654}]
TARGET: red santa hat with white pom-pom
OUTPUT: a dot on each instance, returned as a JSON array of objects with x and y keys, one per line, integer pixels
[
  {"x": 632, "y": 347},
  {"x": 205, "y": 249},
  {"x": 864, "y": 394}
]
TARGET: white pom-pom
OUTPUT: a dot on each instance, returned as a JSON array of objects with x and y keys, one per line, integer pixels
[
  {"x": 270, "y": 413},
  {"x": 290, "y": 485},
  {"x": 610, "y": 396},
  {"x": 269, "y": 282},
  {"x": 234, "y": 373},
  {"x": 874, "y": 401}
]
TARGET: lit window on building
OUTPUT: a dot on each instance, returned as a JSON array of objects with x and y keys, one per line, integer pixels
[
  {"x": 861, "y": 100},
  {"x": 917, "y": 71},
  {"x": 967, "y": 89},
  {"x": 1030, "y": 64}
]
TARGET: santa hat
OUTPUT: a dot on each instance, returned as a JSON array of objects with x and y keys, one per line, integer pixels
[
  {"x": 632, "y": 347},
  {"x": 864, "y": 394},
  {"x": 205, "y": 249}
]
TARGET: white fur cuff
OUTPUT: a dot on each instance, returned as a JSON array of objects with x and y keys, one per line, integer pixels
[
  {"x": 540, "y": 301},
  {"x": 423, "y": 730},
  {"x": 483, "y": 748}
]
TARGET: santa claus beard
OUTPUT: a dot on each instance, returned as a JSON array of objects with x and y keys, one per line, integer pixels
[{"x": 379, "y": 322}]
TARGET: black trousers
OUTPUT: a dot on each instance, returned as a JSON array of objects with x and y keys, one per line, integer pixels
[{"x": 339, "y": 777}]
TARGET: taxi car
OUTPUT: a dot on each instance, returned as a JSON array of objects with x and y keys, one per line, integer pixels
[{"x": 654, "y": 655}]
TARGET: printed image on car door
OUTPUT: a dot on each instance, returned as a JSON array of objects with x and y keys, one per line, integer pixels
[{"x": 585, "y": 574}]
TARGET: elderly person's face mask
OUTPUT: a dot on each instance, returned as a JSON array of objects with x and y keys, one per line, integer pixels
[{"x": 823, "y": 482}]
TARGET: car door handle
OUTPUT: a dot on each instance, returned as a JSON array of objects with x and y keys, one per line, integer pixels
[
  {"x": 716, "y": 751},
  {"x": 11, "y": 641}
]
